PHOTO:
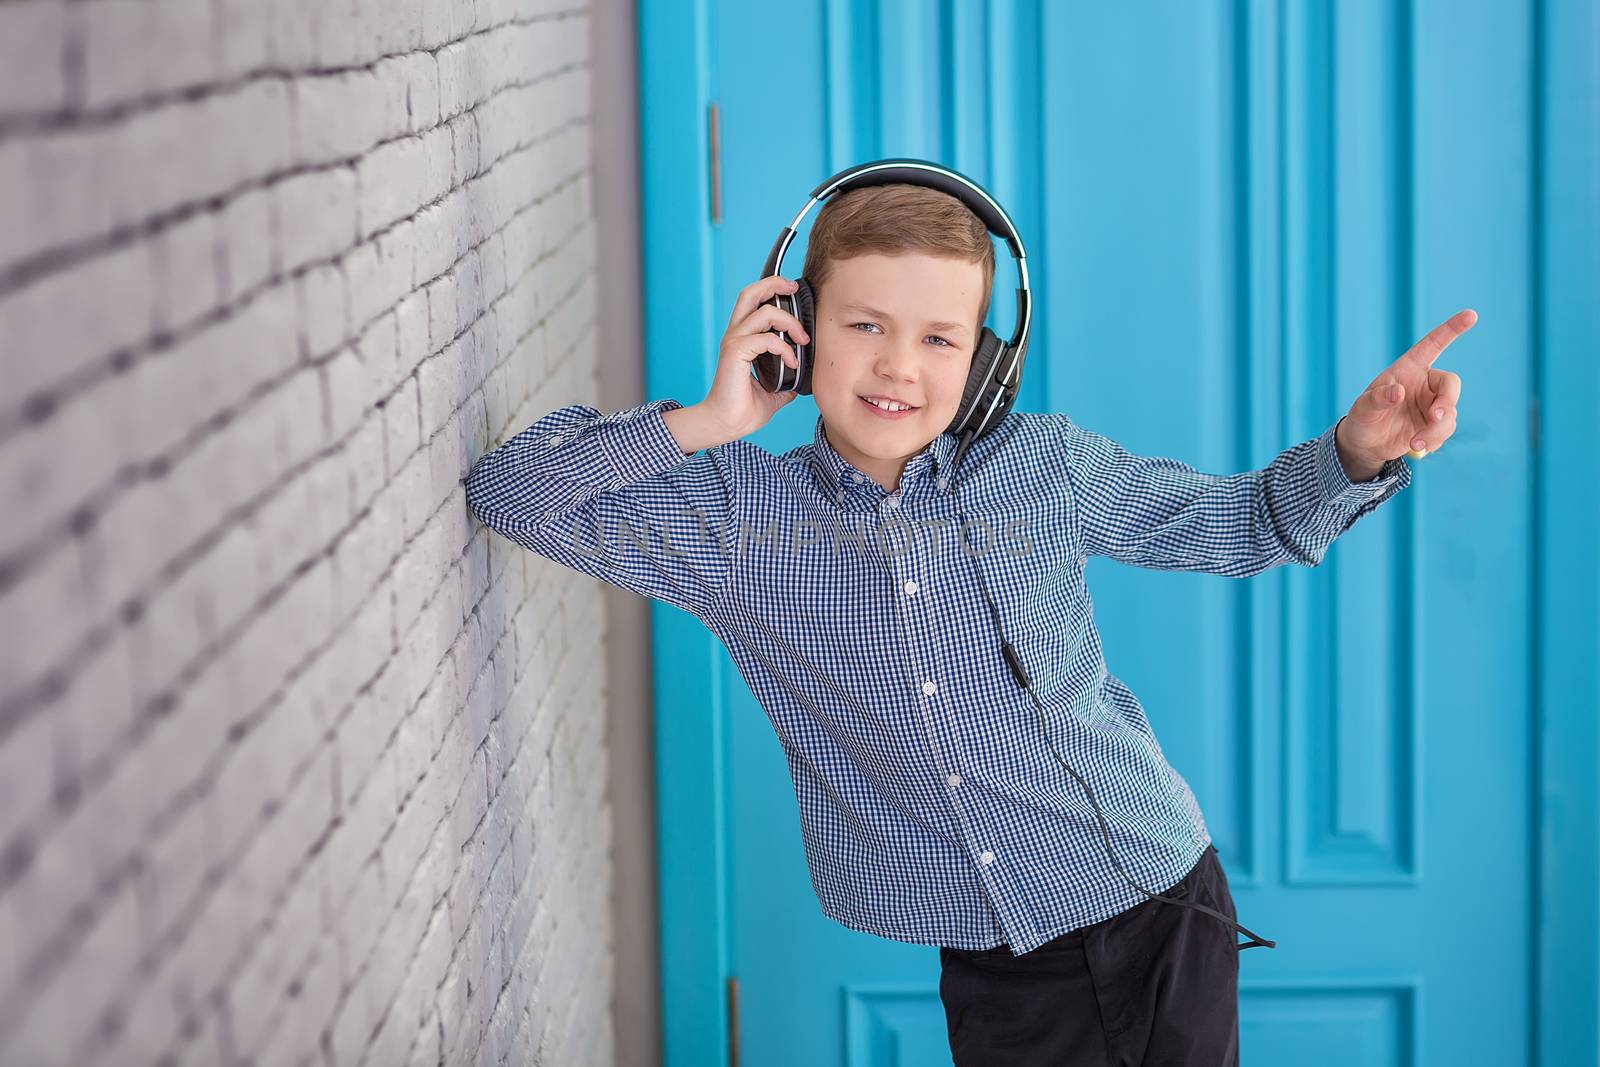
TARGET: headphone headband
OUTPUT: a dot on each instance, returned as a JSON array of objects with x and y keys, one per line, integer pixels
[{"x": 923, "y": 172}]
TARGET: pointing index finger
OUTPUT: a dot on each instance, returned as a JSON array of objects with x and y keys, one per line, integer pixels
[{"x": 1438, "y": 339}]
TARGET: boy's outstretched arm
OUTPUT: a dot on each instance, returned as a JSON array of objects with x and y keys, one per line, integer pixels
[
  {"x": 1151, "y": 511},
  {"x": 1159, "y": 513}
]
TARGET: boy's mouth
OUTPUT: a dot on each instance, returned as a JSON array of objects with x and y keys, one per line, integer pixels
[{"x": 889, "y": 409}]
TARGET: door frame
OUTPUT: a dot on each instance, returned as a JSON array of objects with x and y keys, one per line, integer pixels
[
  {"x": 1566, "y": 565},
  {"x": 681, "y": 344}
]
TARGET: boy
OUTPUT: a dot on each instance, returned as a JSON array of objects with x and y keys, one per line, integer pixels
[{"x": 933, "y": 811}]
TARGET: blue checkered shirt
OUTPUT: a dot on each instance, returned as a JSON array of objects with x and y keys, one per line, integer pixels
[{"x": 931, "y": 808}]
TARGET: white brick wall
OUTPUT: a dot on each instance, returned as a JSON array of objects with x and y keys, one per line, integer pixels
[{"x": 298, "y": 764}]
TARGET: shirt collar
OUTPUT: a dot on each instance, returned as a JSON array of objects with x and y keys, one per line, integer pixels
[{"x": 841, "y": 478}]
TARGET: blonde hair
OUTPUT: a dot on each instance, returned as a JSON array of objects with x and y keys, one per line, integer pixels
[{"x": 895, "y": 219}]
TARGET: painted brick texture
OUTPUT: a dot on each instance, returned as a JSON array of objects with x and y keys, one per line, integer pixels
[{"x": 298, "y": 763}]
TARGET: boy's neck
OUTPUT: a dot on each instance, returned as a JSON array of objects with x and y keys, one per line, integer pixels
[{"x": 886, "y": 472}]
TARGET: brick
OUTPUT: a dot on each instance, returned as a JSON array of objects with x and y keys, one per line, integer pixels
[
  {"x": 397, "y": 260},
  {"x": 411, "y": 334},
  {"x": 344, "y": 37},
  {"x": 66, "y": 1010},
  {"x": 402, "y": 30},
  {"x": 122, "y": 35},
  {"x": 33, "y": 41},
  {"x": 390, "y": 178},
  {"x": 463, "y": 147},
  {"x": 177, "y": 863},
  {"x": 392, "y": 76},
  {"x": 401, "y": 425},
  {"x": 367, "y": 296},
  {"x": 455, "y": 89},
  {"x": 433, "y": 23},
  {"x": 39, "y": 619},
  {"x": 364, "y": 465},
  {"x": 444, "y": 320},
  {"x": 187, "y": 271},
  {"x": 248, "y": 240},
  {"x": 423, "y": 91},
  {"x": 440, "y": 380},
  {"x": 324, "y": 310},
  {"x": 67, "y": 323},
  {"x": 27, "y": 776},
  {"x": 333, "y": 117},
  {"x": 436, "y": 241},
  {"x": 245, "y": 30},
  {"x": 293, "y": 27},
  {"x": 317, "y": 215},
  {"x": 468, "y": 290},
  {"x": 65, "y": 197},
  {"x": 246, "y": 131},
  {"x": 347, "y": 394}
]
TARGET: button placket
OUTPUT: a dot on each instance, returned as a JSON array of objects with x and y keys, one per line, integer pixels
[{"x": 929, "y": 688}]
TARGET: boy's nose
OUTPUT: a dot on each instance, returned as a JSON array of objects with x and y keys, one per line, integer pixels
[{"x": 897, "y": 361}]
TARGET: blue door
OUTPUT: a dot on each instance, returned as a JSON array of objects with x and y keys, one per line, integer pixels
[{"x": 1236, "y": 215}]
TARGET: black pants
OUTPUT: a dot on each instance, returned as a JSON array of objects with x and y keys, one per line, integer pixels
[{"x": 1156, "y": 985}]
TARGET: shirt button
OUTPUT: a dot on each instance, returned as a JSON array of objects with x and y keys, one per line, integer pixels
[
  {"x": 1378, "y": 495},
  {"x": 986, "y": 858},
  {"x": 858, "y": 476},
  {"x": 555, "y": 439},
  {"x": 892, "y": 500},
  {"x": 928, "y": 688},
  {"x": 911, "y": 587},
  {"x": 954, "y": 779}
]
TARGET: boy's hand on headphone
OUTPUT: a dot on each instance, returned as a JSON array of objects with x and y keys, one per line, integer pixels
[{"x": 737, "y": 402}]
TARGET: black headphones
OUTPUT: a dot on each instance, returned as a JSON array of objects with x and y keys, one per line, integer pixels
[{"x": 996, "y": 365}]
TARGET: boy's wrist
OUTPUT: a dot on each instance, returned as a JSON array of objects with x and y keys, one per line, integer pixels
[
  {"x": 1357, "y": 467},
  {"x": 695, "y": 428}
]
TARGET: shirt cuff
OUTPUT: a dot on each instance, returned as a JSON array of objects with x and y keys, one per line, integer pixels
[{"x": 1335, "y": 483}]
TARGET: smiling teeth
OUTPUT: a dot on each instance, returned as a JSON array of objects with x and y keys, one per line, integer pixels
[{"x": 887, "y": 405}]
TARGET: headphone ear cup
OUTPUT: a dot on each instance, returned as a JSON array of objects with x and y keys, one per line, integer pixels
[
  {"x": 770, "y": 370},
  {"x": 975, "y": 397},
  {"x": 805, "y": 309}
]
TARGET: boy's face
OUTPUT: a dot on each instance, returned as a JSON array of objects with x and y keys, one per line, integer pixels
[{"x": 900, "y": 327}]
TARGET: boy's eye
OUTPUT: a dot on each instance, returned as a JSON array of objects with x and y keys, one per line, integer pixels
[{"x": 942, "y": 342}]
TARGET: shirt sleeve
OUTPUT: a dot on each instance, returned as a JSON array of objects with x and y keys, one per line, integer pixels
[
  {"x": 1166, "y": 515},
  {"x": 613, "y": 496}
]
